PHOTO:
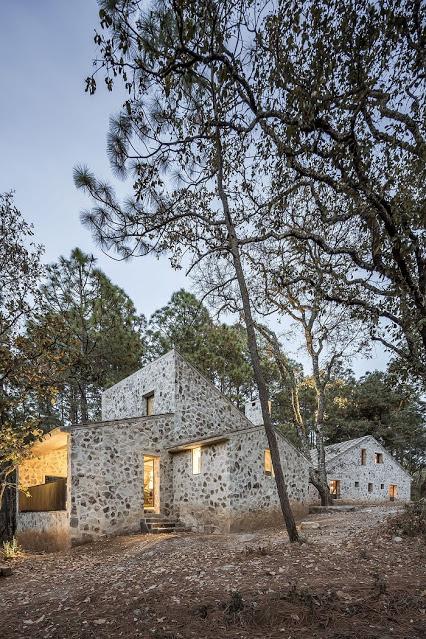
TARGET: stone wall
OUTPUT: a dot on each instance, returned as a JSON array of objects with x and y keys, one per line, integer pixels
[
  {"x": 201, "y": 409},
  {"x": 128, "y": 397},
  {"x": 43, "y": 531},
  {"x": 107, "y": 474},
  {"x": 32, "y": 472},
  {"x": 202, "y": 501},
  {"x": 254, "y": 497},
  {"x": 348, "y": 469},
  {"x": 106, "y": 462}
]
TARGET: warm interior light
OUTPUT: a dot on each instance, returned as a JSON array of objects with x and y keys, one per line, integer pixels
[
  {"x": 269, "y": 470},
  {"x": 196, "y": 460}
]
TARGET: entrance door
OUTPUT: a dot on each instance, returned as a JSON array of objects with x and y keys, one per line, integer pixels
[
  {"x": 335, "y": 488},
  {"x": 148, "y": 482},
  {"x": 392, "y": 491}
]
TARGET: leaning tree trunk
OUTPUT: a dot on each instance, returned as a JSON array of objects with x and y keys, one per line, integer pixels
[{"x": 254, "y": 355}]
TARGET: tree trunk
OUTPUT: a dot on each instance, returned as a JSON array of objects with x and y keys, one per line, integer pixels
[
  {"x": 8, "y": 509},
  {"x": 322, "y": 471},
  {"x": 83, "y": 403},
  {"x": 254, "y": 354}
]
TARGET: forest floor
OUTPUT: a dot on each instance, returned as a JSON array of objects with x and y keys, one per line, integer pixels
[{"x": 351, "y": 578}]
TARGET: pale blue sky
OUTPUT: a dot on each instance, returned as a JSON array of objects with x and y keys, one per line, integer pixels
[{"x": 48, "y": 125}]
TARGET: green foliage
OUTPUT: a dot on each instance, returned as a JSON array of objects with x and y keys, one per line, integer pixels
[
  {"x": 219, "y": 351},
  {"x": 24, "y": 364},
  {"x": 11, "y": 549},
  {"x": 376, "y": 405},
  {"x": 100, "y": 340},
  {"x": 411, "y": 522}
]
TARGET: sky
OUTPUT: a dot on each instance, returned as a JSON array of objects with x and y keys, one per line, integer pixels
[{"x": 48, "y": 125}]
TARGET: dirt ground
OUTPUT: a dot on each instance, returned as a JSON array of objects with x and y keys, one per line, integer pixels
[{"x": 349, "y": 579}]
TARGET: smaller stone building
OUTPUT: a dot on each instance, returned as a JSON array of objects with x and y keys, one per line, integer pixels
[{"x": 362, "y": 470}]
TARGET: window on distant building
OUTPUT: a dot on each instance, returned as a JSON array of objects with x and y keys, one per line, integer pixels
[
  {"x": 382, "y": 486},
  {"x": 268, "y": 463},
  {"x": 363, "y": 456},
  {"x": 196, "y": 460},
  {"x": 378, "y": 458},
  {"x": 370, "y": 488},
  {"x": 357, "y": 484},
  {"x": 150, "y": 404}
]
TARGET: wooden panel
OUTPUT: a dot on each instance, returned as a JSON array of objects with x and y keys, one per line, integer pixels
[{"x": 51, "y": 496}]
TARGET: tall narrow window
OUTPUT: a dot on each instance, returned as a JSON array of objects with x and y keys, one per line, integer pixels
[
  {"x": 363, "y": 456},
  {"x": 269, "y": 469},
  {"x": 196, "y": 461},
  {"x": 378, "y": 458},
  {"x": 150, "y": 404},
  {"x": 370, "y": 488}
]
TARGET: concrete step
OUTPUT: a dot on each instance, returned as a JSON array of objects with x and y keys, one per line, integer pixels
[
  {"x": 332, "y": 509},
  {"x": 158, "y": 530},
  {"x": 162, "y": 524}
]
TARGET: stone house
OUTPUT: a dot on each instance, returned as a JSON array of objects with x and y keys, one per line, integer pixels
[
  {"x": 363, "y": 470},
  {"x": 169, "y": 443}
]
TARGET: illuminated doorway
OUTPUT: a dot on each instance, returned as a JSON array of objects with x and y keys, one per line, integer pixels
[
  {"x": 392, "y": 491},
  {"x": 149, "y": 487},
  {"x": 335, "y": 488}
]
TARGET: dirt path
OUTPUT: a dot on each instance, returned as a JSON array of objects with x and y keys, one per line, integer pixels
[{"x": 348, "y": 580}]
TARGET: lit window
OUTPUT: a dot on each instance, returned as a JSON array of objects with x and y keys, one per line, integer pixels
[
  {"x": 357, "y": 484},
  {"x": 363, "y": 456},
  {"x": 196, "y": 461},
  {"x": 150, "y": 404},
  {"x": 370, "y": 488},
  {"x": 269, "y": 470},
  {"x": 378, "y": 458}
]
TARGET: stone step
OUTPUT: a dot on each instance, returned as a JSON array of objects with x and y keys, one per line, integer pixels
[{"x": 159, "y": 524}]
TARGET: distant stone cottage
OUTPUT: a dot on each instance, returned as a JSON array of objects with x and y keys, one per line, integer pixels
[
  {"x": 362, "y": 470},
  {"x": 169, "y": 444}
]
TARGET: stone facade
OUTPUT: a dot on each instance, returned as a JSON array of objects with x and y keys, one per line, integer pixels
[
  {"x": 369, "y": 482},
  {"x": 106, "y": 460},
  {"x": 128, "y": 397},
  {"x": 231, "y": 491}
]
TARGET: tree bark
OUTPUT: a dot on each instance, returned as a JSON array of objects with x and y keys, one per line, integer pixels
[
  {"x": 8, "y": 510},
  {"x": 254, "y": 353}
]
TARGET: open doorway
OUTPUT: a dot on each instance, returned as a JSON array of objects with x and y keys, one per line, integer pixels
[
  {"x": 393, "y": 491},
  {"x": 335, "y": 488},
  {"x": 150, "y": 483}
]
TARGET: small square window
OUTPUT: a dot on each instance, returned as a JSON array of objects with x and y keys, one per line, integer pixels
[
  {"x": 196, "y": 460},
  {"x": 382, "y": 486},
  {"x": 378, "y": 458},
  {"x": 363, "y": 456},
  {"x": 357, "y": 484},
  {"x": 269, "y": 470},
  {"x": 370, "y": 488},
  {"x": 149, "y": 404}
]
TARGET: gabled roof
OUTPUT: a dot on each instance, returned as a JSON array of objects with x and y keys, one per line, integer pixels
[{"x": 336, "y": 450}]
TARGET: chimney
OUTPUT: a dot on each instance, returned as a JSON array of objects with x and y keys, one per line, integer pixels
[{"x": 253, "y": 412}]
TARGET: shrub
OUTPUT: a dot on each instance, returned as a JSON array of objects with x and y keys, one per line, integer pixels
[
  {"x": 11, "y": 549},
  {"x": 411, "y": 522}
]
